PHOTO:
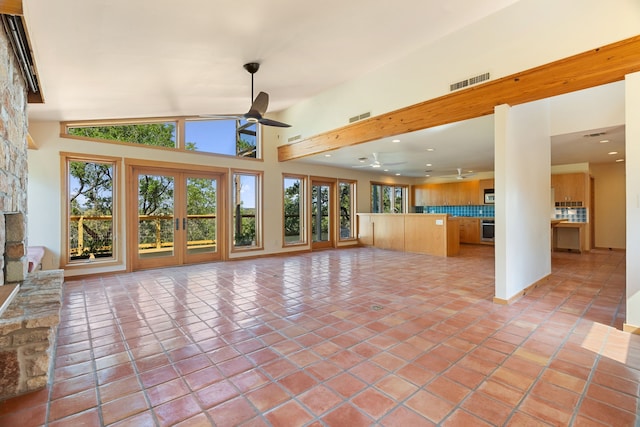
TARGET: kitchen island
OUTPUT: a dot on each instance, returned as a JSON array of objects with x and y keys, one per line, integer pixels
[{"x": 433, "y": 234}]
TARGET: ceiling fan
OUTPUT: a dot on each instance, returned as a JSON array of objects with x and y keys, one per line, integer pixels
[
  {"x": 376, "y": 163},
  {"x": 258, "y": 106},
  {"x": 463, "y": 176}
]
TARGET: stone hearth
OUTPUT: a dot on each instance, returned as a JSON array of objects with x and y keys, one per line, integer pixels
[{"x": 27, "y": 333}]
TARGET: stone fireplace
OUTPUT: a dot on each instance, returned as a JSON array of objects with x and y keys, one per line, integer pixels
[{"x": 29, "y": 303}]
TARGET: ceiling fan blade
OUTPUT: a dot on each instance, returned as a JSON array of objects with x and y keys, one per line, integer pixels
[
  {"x": 260, "y": 105},
  {"x": 268, "y": 122},
  {"x": 393, "y": 164}
]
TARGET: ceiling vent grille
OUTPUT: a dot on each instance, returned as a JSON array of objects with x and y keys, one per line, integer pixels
[
  {"x": 294, "y": 138},
  {"x": 469, "y": 82},
  {"x": 360, "y": 117}
]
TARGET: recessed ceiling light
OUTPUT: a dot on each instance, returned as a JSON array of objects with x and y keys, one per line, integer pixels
[
  {"x": 427, "y": 175},
  {"x": 604, "y": 141},
  {"x": 327, "y": 155},
  {"x": 397, "y": 174},
  {"x": 611, "y": 153},
  {"x": 428, "y": 164},
  {"x": 395, "y": 140},
  {"x": 431, "y": 149},
  {"x": 386, "y": 170},
  {"x": 619, "y": 160}
]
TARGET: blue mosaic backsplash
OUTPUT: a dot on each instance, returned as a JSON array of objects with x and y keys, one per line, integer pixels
[
  {"x": 569, "y": 214},
  {"x": 466, "y": 210},
  {"x": 572, "y": 214}
]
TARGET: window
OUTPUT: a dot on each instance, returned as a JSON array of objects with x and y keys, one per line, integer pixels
[
  {"x": 154, "y": 134},
  {"x": 90, "y": 207},
  {"x": 388, "y": 198},
  {"x": 230, "y": 137},
  {"x": 294, "y": 210},
  {"x": 347, "y": 206},
  {"x": 246, "y": 210}
]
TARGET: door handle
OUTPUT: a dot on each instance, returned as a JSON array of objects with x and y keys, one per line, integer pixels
[
  {"x": 184, "y": 223},
  {"x": 177, "y": 223}
]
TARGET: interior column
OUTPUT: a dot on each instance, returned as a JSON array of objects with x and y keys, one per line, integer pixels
[
  {"x": 523, "y": 193},
  {"x": 632, "y": 167}
]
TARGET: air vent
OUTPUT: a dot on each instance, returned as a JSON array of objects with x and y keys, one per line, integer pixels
[
  {"x": 360, "y": 117},
  {"x": 294, "y": 138},
  {"x": 469, "y": 82}
]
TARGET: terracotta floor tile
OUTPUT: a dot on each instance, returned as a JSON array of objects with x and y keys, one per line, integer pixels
[
  {"x": 172, "y": 412},
  {"x": 448, "y": 390},
  {"x": 320, "y": 399},
  {"x": 122, "y": 408},
  {"x": 462, "y": 418},
  {"x": 404, "y": 417},
  {"x": 89, "y": 418},
  {"x": 72, "y": 404},
  {"x": 216, "y": 393},
  {"x": 291, "y": 414},
  {"x": 368, "y": 372},
  {"x": 120, "y": 388},
  {"x": 267, "y": 397},
  {"x": 346, "y": 415},
  {"x": 520, "y": 419},
  {"x": 345, "y": 384},
  {"x": 395, "y": 387},
  {"x": 373, "y": 403},
  {"x": 485, "y": 407},
  {"x": 232, "y": 412},
  {"x": 30, "y": 417},
  {"x": 297, "y": 340},
  {"x": 297, "y": 382},
  {"x": 545, "y": 410},
  {"x": 165, "y": 392}
]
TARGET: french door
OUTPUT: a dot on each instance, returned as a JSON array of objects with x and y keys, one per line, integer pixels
[
  {"x": 174, "y": 217},
  {"x": 322, "y": 214}
]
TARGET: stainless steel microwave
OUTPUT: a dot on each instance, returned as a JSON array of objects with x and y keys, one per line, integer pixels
[{"x": 489, "y": 196}]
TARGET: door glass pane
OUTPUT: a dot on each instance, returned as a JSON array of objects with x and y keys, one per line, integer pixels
[
  {"x": 293, "y": 211},
  {"x": 156, "y": 225},
  {"x": 201, "y": 215},
  {"x": 245, "y": 212},
  {"x": 346, "y": 193},
  {"x": 320, "y": 213}
]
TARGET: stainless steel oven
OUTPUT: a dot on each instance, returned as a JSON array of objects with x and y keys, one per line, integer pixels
[{"x": 487, "y": 227}]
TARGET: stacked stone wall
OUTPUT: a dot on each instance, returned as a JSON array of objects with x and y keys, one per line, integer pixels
[{"x": 13, "y": 141}]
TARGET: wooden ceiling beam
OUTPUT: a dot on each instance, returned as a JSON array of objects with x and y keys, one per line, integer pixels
[
  {"x": 11, "y": 7},
  {"x": 595, "y": 67}
]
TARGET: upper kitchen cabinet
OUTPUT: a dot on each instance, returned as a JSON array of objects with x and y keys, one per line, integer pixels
[
  {"x": 484, "y": 184},
  {"x": 570, "y": 189},
  {"x": 467, "y": 192}
]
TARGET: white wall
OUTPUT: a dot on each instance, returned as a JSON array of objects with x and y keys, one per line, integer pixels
[
  {"x": 527, "y": 34},
  {"x": 632, "y": 151},
  {"x": 610, "y": 205},
  {"x": 523, "y": 191},
  {"x": 45, "y": 187}
]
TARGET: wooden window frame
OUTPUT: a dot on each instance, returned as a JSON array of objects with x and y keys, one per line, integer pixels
[
  {"x": 304, "y": 184},
  {"x": 259, "y": 244}
]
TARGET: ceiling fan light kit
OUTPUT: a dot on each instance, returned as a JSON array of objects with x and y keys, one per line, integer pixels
[{"x": 258, "y": 106}]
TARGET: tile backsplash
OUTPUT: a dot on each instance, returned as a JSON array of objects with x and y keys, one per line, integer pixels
[
  {"x": 488, "y": 211},
  {"x": 466, "y": 210},
  {"x": 572, "y": 214}
]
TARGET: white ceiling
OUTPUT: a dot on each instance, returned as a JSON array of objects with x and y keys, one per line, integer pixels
[{"x": 103, "y": 59}]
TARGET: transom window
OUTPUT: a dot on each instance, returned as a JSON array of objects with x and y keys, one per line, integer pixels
[{"x": 230, "y": 137}]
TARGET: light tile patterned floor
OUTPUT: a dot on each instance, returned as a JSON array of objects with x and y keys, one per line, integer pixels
[{"x": 353, "y": 337}]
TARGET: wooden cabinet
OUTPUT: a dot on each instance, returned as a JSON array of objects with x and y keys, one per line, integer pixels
[
  {"x": 468, "y": 192},
  {"x": 469, "y": 230},
  {"x": 447, "y": 194},
  {"x": 570, "y": 189},
  {"x": 484, "y": 184}
]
